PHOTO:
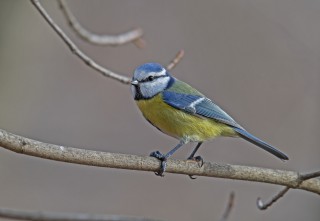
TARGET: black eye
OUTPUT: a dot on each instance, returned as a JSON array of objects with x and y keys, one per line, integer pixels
[{"x": 151, "y": 78}]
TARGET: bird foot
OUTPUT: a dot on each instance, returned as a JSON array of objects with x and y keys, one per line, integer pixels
[
  {"x": 197, "y": 159},
  {"x": 163, "y": 159}
]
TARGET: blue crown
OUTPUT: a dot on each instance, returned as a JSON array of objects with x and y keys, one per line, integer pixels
[{"x": 150, "y": 67}]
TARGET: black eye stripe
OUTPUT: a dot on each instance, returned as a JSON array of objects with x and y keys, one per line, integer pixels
[{"x": 154, "y": 77}]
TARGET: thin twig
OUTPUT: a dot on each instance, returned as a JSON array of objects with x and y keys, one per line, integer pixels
[
  {"x": 229, "y": 207},
  {"x": 176, "y": 60},
  {"x": 55, "y": 216},
  {"x": 308, "y": 176},
  {"x": 31, "y": 147},
  {"x": 87, "y": 60},
  {"x": 134, "y": 36},
  {"x": 265, "y": 205}
]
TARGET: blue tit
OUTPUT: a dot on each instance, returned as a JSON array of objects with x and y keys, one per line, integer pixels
[{"x": 180, "y": 111}]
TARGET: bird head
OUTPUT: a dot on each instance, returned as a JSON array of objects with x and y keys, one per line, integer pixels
[{"x": 149, "y": 80}]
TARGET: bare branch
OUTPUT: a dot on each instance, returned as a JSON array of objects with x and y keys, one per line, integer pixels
[
  {"x": 86, "y": 59},
  {"x": 229, "y": 207},
  {"x": 134, "y": 36},
  {"x": 176, "y": 60},
  {"x": 31, "y": 147},
  {"x": 54, "y": 216},
  {"x": 308, "y": 176},
  {"x": 302, "y": 177},
  {"x": 105, "y": 72},
  {"x": 263, "y": 206}
]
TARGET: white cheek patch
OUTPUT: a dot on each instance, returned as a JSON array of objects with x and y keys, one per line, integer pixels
[{"x": 150, "y": 89}]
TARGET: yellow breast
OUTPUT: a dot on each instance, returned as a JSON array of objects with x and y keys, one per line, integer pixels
[{"x": 179, "y": 124}]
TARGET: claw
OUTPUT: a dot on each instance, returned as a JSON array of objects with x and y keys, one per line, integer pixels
[
  {"x": 163, "y": 159},
  {"x": 197, "y": 159}
]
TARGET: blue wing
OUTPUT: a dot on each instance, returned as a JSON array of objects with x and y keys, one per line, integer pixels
[
  {"x": 198, "y": 105},
  {"x": 202, "y": 106}
]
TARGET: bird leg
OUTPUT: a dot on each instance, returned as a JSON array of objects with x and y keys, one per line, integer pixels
[
  {"x": 198, "y": 159},
  {"x": 163, "y": 157}
]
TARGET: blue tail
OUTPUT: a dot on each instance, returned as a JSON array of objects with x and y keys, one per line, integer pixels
[{"x": 267, "y": 147}]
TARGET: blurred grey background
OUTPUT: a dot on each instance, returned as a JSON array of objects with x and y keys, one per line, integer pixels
[{"x": 259, "y": 60}]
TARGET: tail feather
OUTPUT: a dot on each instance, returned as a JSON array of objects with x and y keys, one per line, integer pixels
[{"x": 267, "y": 147}]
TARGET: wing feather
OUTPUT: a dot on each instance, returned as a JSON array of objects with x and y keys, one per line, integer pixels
[{"x": 198, "y": 105}]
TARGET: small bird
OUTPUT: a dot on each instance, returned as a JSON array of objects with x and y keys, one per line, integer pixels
[{"x": 180, "y": 111}]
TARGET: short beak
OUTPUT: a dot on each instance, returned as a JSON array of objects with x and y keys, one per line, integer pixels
[{"x": 134, "y": 82}]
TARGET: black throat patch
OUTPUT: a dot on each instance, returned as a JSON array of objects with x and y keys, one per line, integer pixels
[{"x": 138, "y": 95}]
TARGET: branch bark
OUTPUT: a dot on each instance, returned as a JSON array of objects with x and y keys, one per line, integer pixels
[
  {"x": 35, "y": 148},
  {"x": 54, "y": 216},
  {"x": 134, "y": 36},
  {"x": 263, "y": 206}
]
